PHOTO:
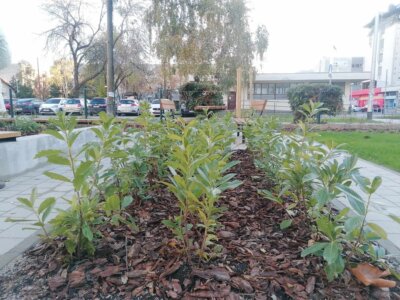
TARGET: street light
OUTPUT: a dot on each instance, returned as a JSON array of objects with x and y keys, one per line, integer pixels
[{"x": 351, "y": 97}]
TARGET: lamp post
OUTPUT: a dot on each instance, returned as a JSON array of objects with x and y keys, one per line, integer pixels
[
  {"x": 351, "y": 97},
  {"x": 373, "y": 67},
  {"x": 110, "y": 60}
]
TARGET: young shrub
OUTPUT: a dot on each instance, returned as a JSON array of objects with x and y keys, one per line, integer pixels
[
  {"x": 198, "y": 166},
  {"x": 76, "y": 223}
]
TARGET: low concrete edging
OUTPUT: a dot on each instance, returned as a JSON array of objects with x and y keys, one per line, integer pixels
[{"x": 18, "y": 157}]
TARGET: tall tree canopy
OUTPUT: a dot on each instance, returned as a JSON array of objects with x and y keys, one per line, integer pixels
[
  {"x": 78, "y": 27},
  {"x": 204, "y": 37},
  {"x": 73, "y": 30},
  {"x": 5, "y": 57}
]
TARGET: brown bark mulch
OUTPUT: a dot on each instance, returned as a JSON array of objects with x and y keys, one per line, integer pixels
[{"x": 258, "y": 260}]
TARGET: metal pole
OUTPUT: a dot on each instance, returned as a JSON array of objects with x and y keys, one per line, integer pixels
[
  {"x": 85, "y": 102},
  {"x": 384, "y": 94},
  {"x": 110, "y": 60},
  {"x": 351, "y": 98},
  {"x": 11, "y": 104},
  {"x": 238, "y": 92},
  {"x": 373, "y": 67}
]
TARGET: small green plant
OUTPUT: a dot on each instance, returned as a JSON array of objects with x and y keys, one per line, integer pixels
[
  {"x": 198, "y": 166},
  {"x": 41, "y": 212},
  {"x": 315, "y": 175},
  {"x": 25, "y": 125},
  {"x": 76, "y": 223}
]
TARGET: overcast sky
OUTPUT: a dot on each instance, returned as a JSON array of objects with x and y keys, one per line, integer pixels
[{"x": 301, "y": 31}]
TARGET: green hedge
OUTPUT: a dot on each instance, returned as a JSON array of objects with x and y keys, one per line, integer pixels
[{"x": 329, "y": 95}]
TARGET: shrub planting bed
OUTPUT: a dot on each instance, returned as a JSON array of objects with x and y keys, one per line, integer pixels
[{"x": 177, "y": 215}]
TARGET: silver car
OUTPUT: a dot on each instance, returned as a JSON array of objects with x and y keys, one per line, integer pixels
[
  {"x": 127, "y": 106},
  {"x": 73, "y": 106},
  {"x": 51, "y": 106}
]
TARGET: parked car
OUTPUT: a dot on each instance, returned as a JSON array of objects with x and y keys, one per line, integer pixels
[
  {"x": 72, "y": 106},
  {"x": 356, "y": 108},
  {"x": 185, "y": 112},
  {"x": 155, "y": 107},
  {"x": 7, "y": 104},
  {"x": 52, "y": 106},
  {"x": 375, "y": 107},
  {"x": 97, "y": 105},
  {"x": 28, "y": 105},
  {"x": 127, "y": 106}
]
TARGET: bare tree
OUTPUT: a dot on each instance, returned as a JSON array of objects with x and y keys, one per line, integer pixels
[{"x": 73, "y": 30}]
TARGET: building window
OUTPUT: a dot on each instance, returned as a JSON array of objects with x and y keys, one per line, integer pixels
[
  {"x": 281, "y": 88},
  {"x": 257, "y": 89},
  {"x": 264, "y": 89}
]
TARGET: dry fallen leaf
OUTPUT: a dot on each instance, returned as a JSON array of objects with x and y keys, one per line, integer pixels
[
  {"x": 370, "y": 275},
  {"x": 76, "y": 278}
]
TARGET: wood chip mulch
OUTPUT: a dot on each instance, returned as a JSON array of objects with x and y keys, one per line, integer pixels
[{"x": 258, "y": 261}]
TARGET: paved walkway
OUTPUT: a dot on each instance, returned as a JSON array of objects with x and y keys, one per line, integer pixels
[{"x": 14, "y": 240}]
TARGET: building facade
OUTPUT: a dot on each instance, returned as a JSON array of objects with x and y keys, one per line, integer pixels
[
  {"x": 342, "y": 64},
  {"x": 274, "y": 86}
]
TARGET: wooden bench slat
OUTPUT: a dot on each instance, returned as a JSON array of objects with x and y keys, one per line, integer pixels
[
  {"x": 9, "y": 134},
  {"x": 210, "y": 107},
  {"x": 167, "y": 104}
]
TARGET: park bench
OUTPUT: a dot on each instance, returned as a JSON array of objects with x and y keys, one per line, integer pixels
[
  {"x": 257, "y": 106},
  {"x": 167, "y": 105},
  {"x": 9, "y": 136}
]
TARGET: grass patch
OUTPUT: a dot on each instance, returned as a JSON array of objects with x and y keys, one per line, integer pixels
[
  {"x": 377, "y": 147},
  {"x": 347, "y": 119},
  {"x": 390, "y": 117}
]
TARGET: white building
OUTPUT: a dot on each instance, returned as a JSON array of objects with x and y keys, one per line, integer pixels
[{"x": 388, "y": 54}]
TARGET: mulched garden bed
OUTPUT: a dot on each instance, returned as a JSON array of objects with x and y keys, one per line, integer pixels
[{"x": 258, "y": 261}]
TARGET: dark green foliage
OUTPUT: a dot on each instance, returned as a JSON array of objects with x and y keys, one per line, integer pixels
[
  {"x": 25, "y": 91},
  {"x": 200, "y": 93},
  {"x": 329, "y": 95},
  {"x": 24, "y": 124},
  {"x": 54, "y": 91}
]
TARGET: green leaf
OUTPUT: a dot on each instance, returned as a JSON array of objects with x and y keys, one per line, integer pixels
[
  {"x": 353, "y": 223},
  {"x": 323, "y": 196},
  {"x": 268, "y": 195},
  {"x": 72, "y": 138},
  {"x": 49, "y": 202},
  {"x": 87, "y": 232},
  {"x": 46, "y": 153},
  {"x": 326, "y": 227},
  {"x": 26, "y": 202},
  {"x": 55, "y": 133},
  {"x": 126, "y": 201},
  {"x": 349, "y": 192},
  {"x": 334, "y": 269},
  {"x": 84, "y": 168},
  {"x": 56, "y": 176},
  {"x": 46, "y": 213},
  {"x": 70, "y": 245},
  {"x": 309, "y": 177},
  {"x": 394, "y": 218},
  {"x": 331, "y": 252},
  {"x": 342, "y": 214},
  {"x": 285, "y": 224},
  {"x": 58, "y": 160},
  {"x": 313, "y": 249},
  {"x": 376, "y": 183},
  {"x": 378, "y": 230}
]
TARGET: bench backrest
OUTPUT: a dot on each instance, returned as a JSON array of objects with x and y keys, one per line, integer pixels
[
  {"x": 167, "y": 104},
  {"x": 258, "y": 105}
]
